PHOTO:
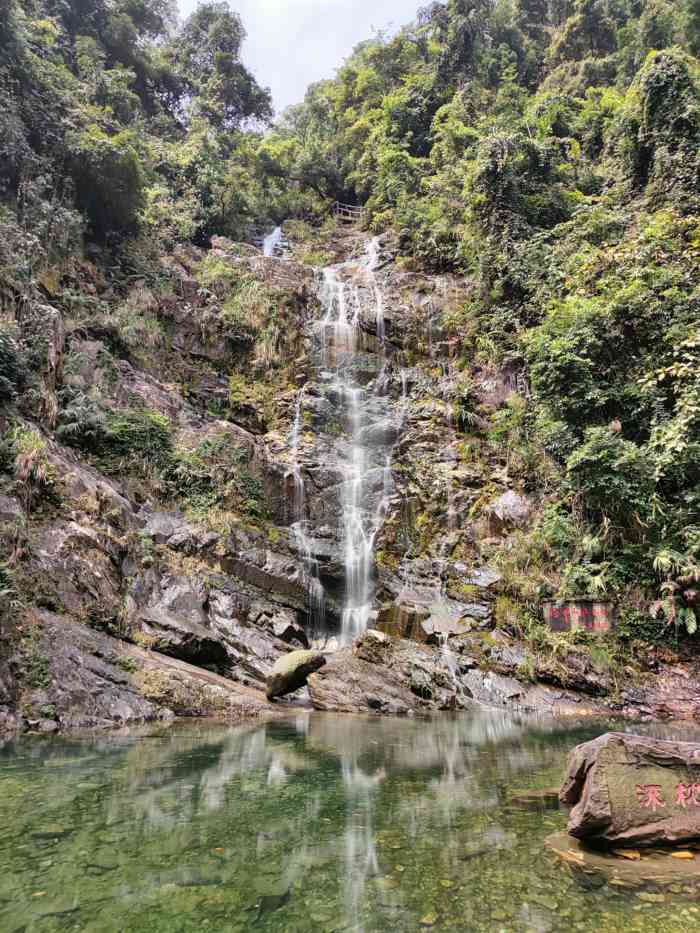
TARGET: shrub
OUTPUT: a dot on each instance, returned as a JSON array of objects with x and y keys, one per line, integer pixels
[
  {"x": 136, "y": 438},
  {"x": 615, "y": 476},
  {"x": 10, "y": 366},
  {"x": 108, "y": 180}
]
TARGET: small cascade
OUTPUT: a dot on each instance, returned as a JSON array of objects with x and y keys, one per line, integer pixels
[
  {"x": 450, "y": 662},
  {"x": 314, "y": 587},
  {"x": 272, "y": 243},
  {"x": 452, "y": 523}
]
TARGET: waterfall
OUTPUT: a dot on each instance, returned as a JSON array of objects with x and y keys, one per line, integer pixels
[
  {"x": 357, "y": 376},
  {"x": 272, "y": 242}
]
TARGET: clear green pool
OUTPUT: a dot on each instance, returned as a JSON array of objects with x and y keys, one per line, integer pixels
[{"x": 319, "y": 823}]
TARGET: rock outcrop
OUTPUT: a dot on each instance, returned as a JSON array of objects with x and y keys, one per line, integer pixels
[
  {"x": 194, "y": 549},
  {"x": 382, "y": 674},
  {"x": 79, "y": 678}
]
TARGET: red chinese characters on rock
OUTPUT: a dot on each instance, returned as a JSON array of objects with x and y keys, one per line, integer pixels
[
  {"x": 687, "y": 795},
  {"x": 649, "y": 796}
]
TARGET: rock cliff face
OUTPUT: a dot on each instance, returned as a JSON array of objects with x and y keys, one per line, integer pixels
[{"x": 186, "y": 497}]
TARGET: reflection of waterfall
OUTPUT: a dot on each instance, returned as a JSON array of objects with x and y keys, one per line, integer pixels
[
  {"x": 272, "y": 244},
  {"x": 318, "y": 822},
  {"x": 368, "y": 418},
  {"x": 360, "y": 850}
]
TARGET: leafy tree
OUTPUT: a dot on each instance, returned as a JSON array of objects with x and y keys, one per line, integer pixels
[{"x": 206, "y": 53}]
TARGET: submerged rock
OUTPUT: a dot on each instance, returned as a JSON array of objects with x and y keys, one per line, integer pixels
[
  {"x": 291, "y": 671},
  {"x": 633, "y": 790},
  {"x": 628, "y": 868}
]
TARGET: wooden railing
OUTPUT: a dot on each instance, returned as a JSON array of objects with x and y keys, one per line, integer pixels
[{"x": 349, "y": 213}]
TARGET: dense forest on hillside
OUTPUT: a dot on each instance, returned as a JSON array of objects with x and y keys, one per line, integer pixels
[
  {"x": 545, "y": 151},
  {"x": 549, "y": 151}
]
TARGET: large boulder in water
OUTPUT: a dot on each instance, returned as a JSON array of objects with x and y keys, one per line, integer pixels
[
  {"x": 633, "y": 790},
  {"x": 291, "y": 670}
]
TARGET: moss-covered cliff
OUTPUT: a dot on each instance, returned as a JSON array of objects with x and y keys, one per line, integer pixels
[{"x": 527, "y": 328}]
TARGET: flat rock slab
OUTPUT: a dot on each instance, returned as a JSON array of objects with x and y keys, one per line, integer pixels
[
  {"x": 628, "y": 790},
  {"x": 646, "y": 868},
  {"x": 352, "y": 684}
]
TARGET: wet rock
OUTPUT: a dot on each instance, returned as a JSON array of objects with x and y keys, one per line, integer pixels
[
  {"x": 87, "y": 686},
  {"x": 291, "y": 672},
  {"x": 536, "y": 800},
  {"x": 649, "y": 868},
  {"x": 10, "y": 510},
  {"x": 9, "y": 720},
  {"x": 95, "y": 681},
  {"x": 510, "y": 510},
  {"x": 76, "y": 568},
  {"x": 277, "y": 574},
  {"x": 350, "y": 684},
  {"x": 421, "y": 684},
  {"x": 495, "y": 690},
  {"x": 317, "y": 409},
  {"x": 44, "y": 726},
  {"x": 429, "y": 621},
  {"x": 633, "y": 790},
  {"x": 483, "y": 577},
  {"x": 282, "y": 623},
  {"x": 374, "y": 647},
  {"x": 382, "y": 434},
  {"x": 403, "y": 620},
  {"x": 180, "y": 638}
]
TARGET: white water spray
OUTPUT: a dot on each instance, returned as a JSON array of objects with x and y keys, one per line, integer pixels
[
  {"x": 272, "y": 243},
  {"x": 350, "y": 295}
]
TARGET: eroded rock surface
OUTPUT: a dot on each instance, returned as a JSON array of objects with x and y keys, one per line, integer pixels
[{"x": 81, "y": 679}]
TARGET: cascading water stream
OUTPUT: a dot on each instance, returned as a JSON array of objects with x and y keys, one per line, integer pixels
[
  {"x": 351, "y": 297},
  {"x": 272, "y": 243},
  {"x": 314, "y": 587}
]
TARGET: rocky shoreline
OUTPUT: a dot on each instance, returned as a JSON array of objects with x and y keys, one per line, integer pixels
[{"x": 97, "y": 682}]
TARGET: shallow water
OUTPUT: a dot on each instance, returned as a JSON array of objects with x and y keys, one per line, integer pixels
[{"x": 320, "y": 823}]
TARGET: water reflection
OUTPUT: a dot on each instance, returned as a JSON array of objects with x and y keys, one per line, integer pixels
[{"x": 315, "y": 823}]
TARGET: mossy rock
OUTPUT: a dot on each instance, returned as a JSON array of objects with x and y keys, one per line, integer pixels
[{"x": 291, "y": 670}]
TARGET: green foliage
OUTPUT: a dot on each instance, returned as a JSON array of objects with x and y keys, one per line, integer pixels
[
  {"x": 119, "y": 440},
  {"x": 117, "y": 111},
  {"x": 614, "y": 476},
  {"x": 207, "y": 56},
  {"x": 11, "y": 375},
  {"x": 35, "y": 475},
  {"x": 216, "y": 475},
  {"x": 108, "y": 180},
  {"x": 135, "y": 437}
]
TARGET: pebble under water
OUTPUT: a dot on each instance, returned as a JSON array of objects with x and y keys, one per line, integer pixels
[{"x": 317, "y": 823}]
